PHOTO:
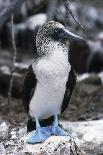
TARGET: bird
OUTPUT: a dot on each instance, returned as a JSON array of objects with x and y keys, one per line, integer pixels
[{"x": 49, "y": 82}]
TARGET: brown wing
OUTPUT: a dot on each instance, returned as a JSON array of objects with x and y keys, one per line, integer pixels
[
  {"x": 28, "y": 88},
  {"x": 69, "y": 88}
]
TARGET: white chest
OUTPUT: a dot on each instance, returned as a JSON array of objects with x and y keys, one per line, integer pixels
[{"x": 51, "y": 77}]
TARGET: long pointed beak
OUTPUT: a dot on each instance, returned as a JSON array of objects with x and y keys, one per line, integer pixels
[{"x": 69, "y": 35}]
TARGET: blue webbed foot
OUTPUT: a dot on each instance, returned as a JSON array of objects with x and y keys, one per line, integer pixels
[
  {"x": 56, "y": 130},
  {"x": 47, "y": 129},
  {"x": 38, "y": 136}
]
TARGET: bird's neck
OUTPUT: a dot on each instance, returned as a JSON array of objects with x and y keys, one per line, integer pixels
[
  {"x": 58, "y": 53},
  {"x": 55, "y": 58},
  {"x": 53, "y": 49}
]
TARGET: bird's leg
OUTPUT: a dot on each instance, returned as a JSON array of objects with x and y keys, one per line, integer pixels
[
  {"x": 56, "y": 130},
  {"x": 39, "y": 135}
]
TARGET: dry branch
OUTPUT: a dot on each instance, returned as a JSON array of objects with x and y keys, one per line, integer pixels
[
  {"x": 14, "y": 59},
  {"x": 69, "y": 11}
]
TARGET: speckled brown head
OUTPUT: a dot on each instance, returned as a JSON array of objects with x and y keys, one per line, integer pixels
[{"x": 53, "y": 32}]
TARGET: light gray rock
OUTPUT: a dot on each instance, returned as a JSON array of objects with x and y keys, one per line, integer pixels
[
  {"x": 54, "y": 145},
  {"x": 91, "y": 78},
  {"x": 2, "y": 149},
  {"x": 89, "y": 133},
  {"x": 3, "y": 130},
  {"x": 87, "y": 139}
]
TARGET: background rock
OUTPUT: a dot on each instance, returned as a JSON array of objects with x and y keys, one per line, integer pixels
[
  {"x": 86, "y": 101},
  {"x": 25, "y": 33},
  {"x": 95, "y": 61},
  {"x": 90, "y": 133},
  {"x": 4, "y": 82},
  {"x": 79, "y": 54}
]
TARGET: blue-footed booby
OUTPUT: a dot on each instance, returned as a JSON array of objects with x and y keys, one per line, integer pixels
[{"x": 49, "y": 82}]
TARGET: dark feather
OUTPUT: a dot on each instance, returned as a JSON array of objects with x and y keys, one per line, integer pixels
[
  {"x": 69, "y": 89},
  {"x": 28, "y": 90},
  {"x": 29, "y": 86}
]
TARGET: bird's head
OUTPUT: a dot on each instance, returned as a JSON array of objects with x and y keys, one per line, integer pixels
[{"x": 53, "y": 32}]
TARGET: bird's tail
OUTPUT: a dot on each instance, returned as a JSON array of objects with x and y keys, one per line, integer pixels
[{"x": 31, "y": 125}]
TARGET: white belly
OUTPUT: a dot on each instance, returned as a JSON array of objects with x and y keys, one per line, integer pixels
[
  {"x": 50, "y": 88},
  {"x": 47, "y": 99}
]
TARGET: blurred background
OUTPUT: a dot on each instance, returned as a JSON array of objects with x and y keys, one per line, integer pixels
[{"x": 87, "y": 59}]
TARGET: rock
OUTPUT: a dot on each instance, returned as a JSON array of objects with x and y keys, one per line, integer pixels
[
  {"x": 15, "y": 143},
  {"x": 4, "y": 4},
  {"x": 82, "y": 77},
  {"x": 21, "y": 65},
  {"x": 95, "y": 60},
  {"x": 3, "y": 130},
  {"x": 87, "y": 139},
  {"x": 100, "y": 75},
  {"x": 55, "y": 145},
  {"x": 79, "y": 55},
  {"x": 89, "y": 133},
  {"x": 25, "y": 32},
  {"x": 5, "y": 79},
  {"x": 34, "y": 6},
  {"x": 12, "y": 140},
  {"x": 28, "y": 8},
  {"x": 92, "y": 78},
  {"x": 95, "y": 79},
  {"x": 2, "y": 149},
  {"x": 36, "y": 20},
  {"x": 100, "y": 36},
  {"x": 86, "y": 100},
  {"x": 89, "y": 56}
]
